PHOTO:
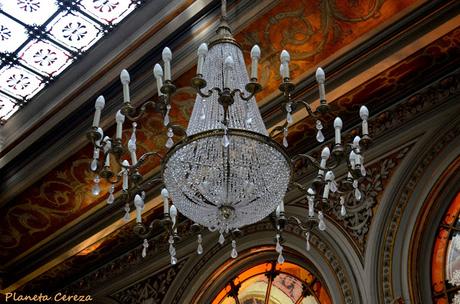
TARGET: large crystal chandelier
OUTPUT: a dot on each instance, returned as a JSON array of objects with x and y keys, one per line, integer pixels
[{"x": 226, "y": 172}]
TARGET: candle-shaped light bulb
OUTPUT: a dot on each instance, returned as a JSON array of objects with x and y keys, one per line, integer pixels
[
  {"x": 364, "y": 114},
  {"x": 125, "y": 79},
  {"x": 173, "y": 214},
  {"x": 327, "y": 187},
  {"x": 228, "y": 67},
  {"x": 321, "y": 78},
  {"x": 352, "y": 159},
  {"x": 285, "y": 59},
  {"x": 99, "y": 105},
  {"x": 255, "y": 56},
  {"x": 120, "y": 119},
  {"x": 338, "y": 129},
  {"x": 202, "y": 52},
  {"x": 139, "y": 204},
  {"x": 167, "y": 57},
  {"x": 356, "y": 141},
  {"x": 125, "y": 184},
  {"x": 165, "y": 195},
  {"x": 158, "y": 73},
  {"x": 278, "y": 211},
  {"x": 324, "y": 157}
]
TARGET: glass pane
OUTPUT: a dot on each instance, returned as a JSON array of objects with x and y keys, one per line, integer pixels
[
  {"x": 7, "y": 107},
  {"x": 19, "y": 82},
  {"x": 45, "y": 57},
  {"x": 296, "y": 271},
  {"x": 12, "y": 34},
  {"x": 286, "y": 287},
  {"x": 108, "y": 11},
  {"x": 228, "y": 300},
  {"x": 74, "y": 30},
  {"x": 309, "y": 300},
  {"x": 253, "y": 289},
  {"x": 453, "y": 260},
  {"x": 30, "y": 11}
]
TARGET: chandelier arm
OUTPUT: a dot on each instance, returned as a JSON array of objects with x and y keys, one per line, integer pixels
[
  {"x": 277, "y": 129},
  {"x": 304, "y": 226},
  {"x": 178, "y": 130},
  {"x": 299, "y": 186},
  {"x": 130, "y": 114},
  {"x": 306, "y": 106},
  {"x": 141, "y": 160}
]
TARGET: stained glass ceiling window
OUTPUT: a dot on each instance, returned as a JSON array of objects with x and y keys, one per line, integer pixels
[
  {"x": 272, "y": 283},
  {"x": 39, "y": 39}
]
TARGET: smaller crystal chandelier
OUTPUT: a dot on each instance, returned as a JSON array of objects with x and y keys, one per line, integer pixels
[{"x": 226, "y": 171}]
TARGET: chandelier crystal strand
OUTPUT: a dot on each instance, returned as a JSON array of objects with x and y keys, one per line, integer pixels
[
  {"x": 307, "y": 238},
  {"x": 321, "y": 224},
  {"x": 311, "y": 202},
  {"x": 285, "y": 134},
  {"x": 132, "y": 145},
  {"x": 172, "y": 250},
  {"x": 107, "y": 148}
]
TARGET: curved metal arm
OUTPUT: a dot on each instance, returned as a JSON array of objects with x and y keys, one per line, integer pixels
[
  {"x": 304, "y": 226},
  {"x": 141, "y": 160},
  {"x": 278, "y": 129},
  {"x": 177, "y": 129},
  {"x": 306, "y": 105}
]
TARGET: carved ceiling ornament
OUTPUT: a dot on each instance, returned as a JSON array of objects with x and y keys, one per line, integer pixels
[
  {"x": 445, "y": 89},
  {"x": 151, "y": 290}
]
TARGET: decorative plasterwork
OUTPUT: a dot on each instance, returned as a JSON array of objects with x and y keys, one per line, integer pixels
[
  {"x": 151, "y": 290},
  {"x": 445, "y": 89},
  {"x": 359, "y": 215}
]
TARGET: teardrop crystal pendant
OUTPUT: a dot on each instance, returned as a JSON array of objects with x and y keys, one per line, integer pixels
[
  {"x": 343, "y": 210},
  {"x": 173, "y": 260},
  {"x": 96, "y": 188},
  {"x": 144, "y": 250},
  {"x": 221, "y": 239},
  {"x": 94, "y": 165},
  {"x": 321, "y": 224},
  {"x": 358, "y": 194},
  {"x": 225, "y": 141},
  {"x": 363, "y": 170},
  {"x": 320, "y": 136},
  {"x": 280, "y": 259},
  {"x": 234, "y": 253},
  {"x": 166, "y": 120},
  {"x": 199, "y": 249},
  {"x": 307, "y": 237},
  {"x": 169, "y": 143},
  {"x": 289, "y": 119},
  {"x": 285, "y": 134},
  {"x": 126, "y": 218},
  {"x": 333, "y": 186},
  {"x": 278, "y": 247},
  {"x": 111, "y": 197}
]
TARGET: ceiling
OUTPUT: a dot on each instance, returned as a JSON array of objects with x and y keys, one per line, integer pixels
[{"x": 373, "y": 52}]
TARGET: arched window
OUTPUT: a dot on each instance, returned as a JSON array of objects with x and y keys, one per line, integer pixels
[
  {"x": 272, "y": 283},
  {"x": 445, "y": 271}
]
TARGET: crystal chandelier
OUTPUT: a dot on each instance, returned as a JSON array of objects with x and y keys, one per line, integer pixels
[{"x": 226, "y": 171}]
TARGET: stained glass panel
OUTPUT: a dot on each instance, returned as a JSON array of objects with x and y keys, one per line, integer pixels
[
  {"x": 39, "y": 39},
  {"x": 75, "y": 30},
  {"x": 12, "y": 34},
  {"x": 445, "y": 262},
  {"x": 19, "y": 82},
  {"x": 32, "y": 12},
  {"x": 45, "y": 57},
  {"x": 251, "y": 286},
  {"x": 108, "y": 11},
  {"x": 7, "y": 107}
]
